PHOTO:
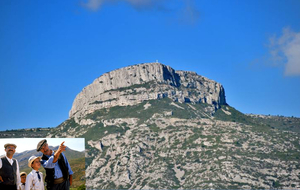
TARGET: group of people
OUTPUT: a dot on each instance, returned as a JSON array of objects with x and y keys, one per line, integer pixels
[{"x": 58, "y": 170}]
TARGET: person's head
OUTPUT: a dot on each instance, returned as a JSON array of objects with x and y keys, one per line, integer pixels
[
  {"x": 34, "y": 162},
  {"x": 23, "y": 177},
  {"x": 10, "y": 149},
  {"x": 43, "y": 147}
]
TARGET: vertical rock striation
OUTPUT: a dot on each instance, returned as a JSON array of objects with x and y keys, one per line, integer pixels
[{"x": 135, "y": 84}]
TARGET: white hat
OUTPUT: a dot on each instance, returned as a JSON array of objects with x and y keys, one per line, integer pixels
[
  {"x": 10, "y": 144},
  {"x": 31, "y": 159},
  {"x": 23, "y": 173}
]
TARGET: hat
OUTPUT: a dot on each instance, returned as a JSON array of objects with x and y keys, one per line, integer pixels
[
  {"x": 10, "y": 144},
  {"x": 22, "y": 173},
  {"x": 31, "y": 159},
  {"x": 40, "y": 145}
]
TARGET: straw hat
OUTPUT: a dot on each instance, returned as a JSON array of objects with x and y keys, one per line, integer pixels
[
  {"x": 23, "y": 173},
  {"x": 31, "y": 159},
  {"x": 10, "y": 144}
]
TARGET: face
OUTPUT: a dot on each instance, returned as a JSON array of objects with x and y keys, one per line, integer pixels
[
  {"x": 36, "y": 164},
  {"x": 45, "y": 149},
  {"x": 23, "y": 178},
  {"x": 10, "y": 150}
]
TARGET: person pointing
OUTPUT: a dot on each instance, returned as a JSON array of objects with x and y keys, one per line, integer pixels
[{"x": 58, "y": 170}]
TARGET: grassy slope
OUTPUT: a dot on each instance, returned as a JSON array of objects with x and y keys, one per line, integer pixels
[{"x": 274, "y": 122}]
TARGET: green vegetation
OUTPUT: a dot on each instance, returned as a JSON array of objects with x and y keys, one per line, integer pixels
[
  {"x": 78, "y": 168},
  {"x": 147, "y": 85},
  {"x": 91, "y": 151},
  {"x": 81, "y": 187},
  {"x": 20, "y": 133},
  {"x": 157, "y": 106},
  {"x": 274, "y": 122},
  {"x": 276, "y": 184},
  {"x": 280, "y": 122},
  {"x": 245, "y": 144},
  {"x": 235, "y": 116}
]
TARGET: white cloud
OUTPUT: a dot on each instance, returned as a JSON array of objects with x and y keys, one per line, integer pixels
[
  {"x": 92, "y": 5},
  {"x": 138, "y": 4},
  {"x": 95, "y": 5},
  {"x": 188, "y": 12},
  {"x": 285, "y": 49}
]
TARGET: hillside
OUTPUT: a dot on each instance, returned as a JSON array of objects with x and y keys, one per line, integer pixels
[
  {"x": 148, "y": 126},
  {"x": 162, "y": 144}
]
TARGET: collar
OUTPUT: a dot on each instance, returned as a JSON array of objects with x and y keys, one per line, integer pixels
[
  {"x": 8, "y": 158},
  {"x": 34, "y": 171}
]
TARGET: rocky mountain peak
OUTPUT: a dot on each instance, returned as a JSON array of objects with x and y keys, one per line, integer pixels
[
  {"x": 148, "y": 81},
  {"x": 149, "y": 126}
]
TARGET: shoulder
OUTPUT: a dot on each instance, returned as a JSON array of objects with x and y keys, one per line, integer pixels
[{"x": 29, "y": 176}]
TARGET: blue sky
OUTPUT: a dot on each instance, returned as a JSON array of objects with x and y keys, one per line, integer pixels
[{"x": 51, "y": 50}]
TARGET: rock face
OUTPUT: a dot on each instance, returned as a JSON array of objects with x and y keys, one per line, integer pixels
[
  {"x": 162, "y": 144},
  {"x": 135, "y": 84},
  {"x": 150, "y": 127}
]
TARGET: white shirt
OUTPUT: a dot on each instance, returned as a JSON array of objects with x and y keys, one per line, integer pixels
[
  {"x": 32, "y": 178},
  {"x": 21, "y": 187},
  {"x": 18, "y": 171}
]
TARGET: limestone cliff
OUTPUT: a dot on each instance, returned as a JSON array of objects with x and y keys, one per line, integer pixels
[
  {"x": 135, "y": 84},
  {"x": 176, "y": 133}
]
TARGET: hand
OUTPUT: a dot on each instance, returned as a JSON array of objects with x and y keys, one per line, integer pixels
[
  {"x": 1, "y": 178},
  {"x": 62, "y": 147}
]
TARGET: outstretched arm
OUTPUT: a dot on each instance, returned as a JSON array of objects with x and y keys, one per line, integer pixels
[{"x": 61, "y": 148}]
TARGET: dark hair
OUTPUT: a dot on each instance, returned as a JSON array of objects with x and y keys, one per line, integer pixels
[{"x": 23, "y": 175}]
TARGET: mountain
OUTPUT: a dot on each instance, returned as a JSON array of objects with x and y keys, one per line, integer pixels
[
  {"x": 148, "y": 126},
  {"x": 151, "y": 81}
]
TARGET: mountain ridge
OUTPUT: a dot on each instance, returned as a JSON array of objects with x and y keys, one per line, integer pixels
[{"x": 187, "y": 140}]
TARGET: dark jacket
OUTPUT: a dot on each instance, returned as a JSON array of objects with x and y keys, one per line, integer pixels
[
  {"x": 50, "y": 173},
  {"x": 8, "y": 172}
]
